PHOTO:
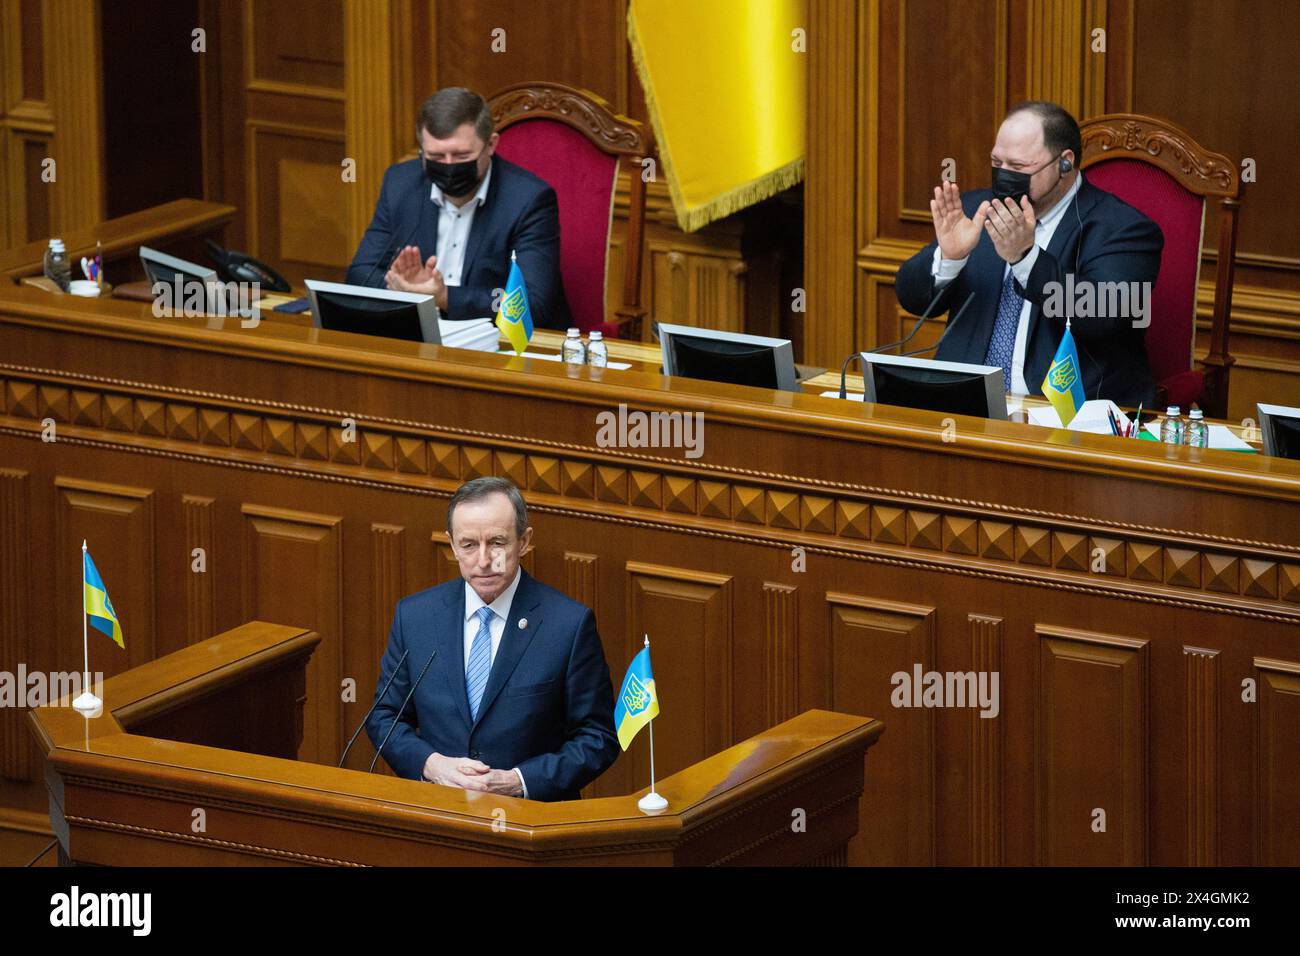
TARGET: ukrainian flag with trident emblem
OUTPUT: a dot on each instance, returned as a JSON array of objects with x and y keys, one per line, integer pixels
[
  {"x": 515, "y": 319},
  {"x": 637, "y": 702},
  {"x": 1063, "y": 384}
]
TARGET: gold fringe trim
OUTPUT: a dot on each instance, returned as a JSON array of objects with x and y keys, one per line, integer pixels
[{"x": 734, "y": 199}]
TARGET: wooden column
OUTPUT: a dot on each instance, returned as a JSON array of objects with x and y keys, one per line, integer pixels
[
  {"x": 830, "y": 191},
  {"x": 369, "y": 86},
  {"x": 73, "y": 73}
]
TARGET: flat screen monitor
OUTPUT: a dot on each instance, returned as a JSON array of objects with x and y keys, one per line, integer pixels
[
  {"x": 731, "y": 357},
  {"x": 366, "y": 311},
  {"x": 952, "y": 387},
  {"x": 181, "y": 276},
  {"x": 1280, "y": 426}
]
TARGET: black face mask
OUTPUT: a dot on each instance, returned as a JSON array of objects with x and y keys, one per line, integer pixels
[
  {"x": 1012, "y": 184},
  {"x": 454, "y": 179}
]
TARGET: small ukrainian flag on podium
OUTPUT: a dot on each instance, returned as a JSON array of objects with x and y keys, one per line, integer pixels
[
  {"x": 1063, "y": 384},
  {"x": 515, "y": 320},
  {"x": 637, "y": 706},
  {"x": 97, "y": 610}
]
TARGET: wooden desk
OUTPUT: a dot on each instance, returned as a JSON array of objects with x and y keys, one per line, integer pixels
[
  {"x": 175, "y": 221},
  {"x": 216, "y": 726},
  {"x": 1122, "y": 591}
]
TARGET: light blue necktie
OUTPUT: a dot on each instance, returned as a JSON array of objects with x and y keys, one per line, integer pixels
[
  {"x": 480, "y": 660},
  {"x": 1002, "y": 343}
]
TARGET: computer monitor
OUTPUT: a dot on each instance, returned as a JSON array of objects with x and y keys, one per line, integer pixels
[
  {"x": 180, "y": 276},
  {"x": 357, "y": 308},
  {"x": 731, "y": 357},
  {"x": 952, "y": 387},
  {"x": 1280, "y": 426}
]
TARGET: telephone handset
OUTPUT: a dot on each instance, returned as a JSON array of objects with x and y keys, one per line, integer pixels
[{"x": 239, "y": 267}]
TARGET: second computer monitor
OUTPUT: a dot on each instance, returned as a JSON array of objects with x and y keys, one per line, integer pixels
[
  {"x": 366, "y": 311},
  {"x": 731, "y": 357},
  {"x": 952, "y": 387},
  {"x": 1280, "y": 425}
]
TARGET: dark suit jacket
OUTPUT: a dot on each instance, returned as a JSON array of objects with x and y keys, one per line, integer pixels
[
  {"x": 519, "y": 213},
  {"x": 1117, "y": 244},
  {"x": 548, "y": 707}
]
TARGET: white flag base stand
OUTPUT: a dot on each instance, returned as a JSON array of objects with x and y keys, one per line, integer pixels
[
  {"x": 652, "y": 803},
  {"x": 88, "y": 705}
]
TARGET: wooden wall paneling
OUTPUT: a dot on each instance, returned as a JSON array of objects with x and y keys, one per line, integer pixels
[
  {"x": 1093, "y": 753},
  {"x": 1203, "y": 758},
  {"x": 72, "y": 70},
  {"x": 200, "y": 622},
  {"x": 582, "y": 45},
  {"x": 831, "y": 184},
  {"x": 580, "y": 580},
  {"x": 868, "y": 640},
  {"x": 688, "y": 616},
  {"x": 986, "y": 749},
  {"x": 26, "y": 124},
  {"x": 781, "y": 650},
  {"x": 276, "y": 538},
  {"x": 117, "y": 523},
  {"x": 371, "y": 86},
  {"x": 15, "y": 634},
  {"x": 1277, "y": 763}
]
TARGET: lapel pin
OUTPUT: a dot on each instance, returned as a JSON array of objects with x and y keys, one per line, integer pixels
[{"x": 523, "y": 623}]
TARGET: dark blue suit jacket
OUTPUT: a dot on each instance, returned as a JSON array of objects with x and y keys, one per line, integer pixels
[
  {"x": 548, "y": 707},
  {"x": 519, "y": 213},
  {"x": 1117, "y": 244}
]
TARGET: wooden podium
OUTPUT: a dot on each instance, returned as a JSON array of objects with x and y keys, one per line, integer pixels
[{"x": 193, "y": 762}]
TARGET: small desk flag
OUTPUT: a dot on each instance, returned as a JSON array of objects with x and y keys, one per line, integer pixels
[
  {"x": 1063, "y": 384},
  {"x": 515, "y": 320},
  {"x": 637, "y": 702},
  {"x": 97, "y": 605}
]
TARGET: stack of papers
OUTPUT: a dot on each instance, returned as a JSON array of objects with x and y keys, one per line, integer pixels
[
  {"x": 1090, "y": 418},
  {"x": 477, "y": 334}
]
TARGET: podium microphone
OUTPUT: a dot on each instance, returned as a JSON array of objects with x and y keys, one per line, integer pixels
[
  {"x": 925, "y": 315},
  {"x": 378, "y": 697},
  {"x": 389, "y": 252},
  {"x": 424, "y": 670},
  {"x": 951, "y": 323}
]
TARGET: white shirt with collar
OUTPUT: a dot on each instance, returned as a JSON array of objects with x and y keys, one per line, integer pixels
[
  {"x": 496, "y": 626},
  {"x": 454, "y": 224},
  {"x": 945, "y": 270}
]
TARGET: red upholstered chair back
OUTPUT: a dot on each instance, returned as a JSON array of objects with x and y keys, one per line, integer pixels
[
  {"x": 583, "y": 179},
  {"x": 573, "y": 140},
  {"x": 1180, "y": 214},
  {"x": 1156, "y": 167}
]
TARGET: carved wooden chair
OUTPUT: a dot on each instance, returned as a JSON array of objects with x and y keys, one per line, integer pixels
[
  {"x": 574, "y": 140},
  {"x": 1159, "y": 169}
]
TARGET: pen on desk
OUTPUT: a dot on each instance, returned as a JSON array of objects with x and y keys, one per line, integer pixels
[
  {"x": 1114, "y": 425},
  {"x": 1137, "y": 422},
  {"x": 99, "y": 263}
]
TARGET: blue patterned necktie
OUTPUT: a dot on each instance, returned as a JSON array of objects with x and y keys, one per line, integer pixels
[
  {"x": 480, "y": 660},
  {"x": 1002, "y": 344}
]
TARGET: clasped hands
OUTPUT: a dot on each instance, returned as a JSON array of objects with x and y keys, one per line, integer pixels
[
  {"x": 1009, "y": 225},
  {"x": 408, "y": 274},
  {"x": 471, "y": 775}
]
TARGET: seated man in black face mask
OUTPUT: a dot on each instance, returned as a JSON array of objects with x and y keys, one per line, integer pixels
[
  {"x": 446, "y": 223},
  {"x": 1013, "y": 247}
]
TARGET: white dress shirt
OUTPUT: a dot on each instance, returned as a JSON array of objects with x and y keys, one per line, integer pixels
[
  {"x": 497, "y": 626},
  {"x": 454, "y": 223},
  {"x": 945, "y": 270}
]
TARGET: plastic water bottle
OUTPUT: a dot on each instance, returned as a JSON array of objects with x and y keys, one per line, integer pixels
[
  {"x": 573, "y": 351},
  {"x": 58, "y": 267},
  {"x": 1171, "y": 427},
  {"x": 1198, "y": 433},
  {"x": 597, "y": 351}
]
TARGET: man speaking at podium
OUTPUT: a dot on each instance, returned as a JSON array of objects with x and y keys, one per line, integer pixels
[
  {"x": 512, "y": 692},
  {"x": 1011, "y": 246},
  {"x": 446, "y": 222}
]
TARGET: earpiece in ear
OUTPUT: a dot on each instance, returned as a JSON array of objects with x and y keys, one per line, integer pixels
[{"x": 1066, "y": 166}]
